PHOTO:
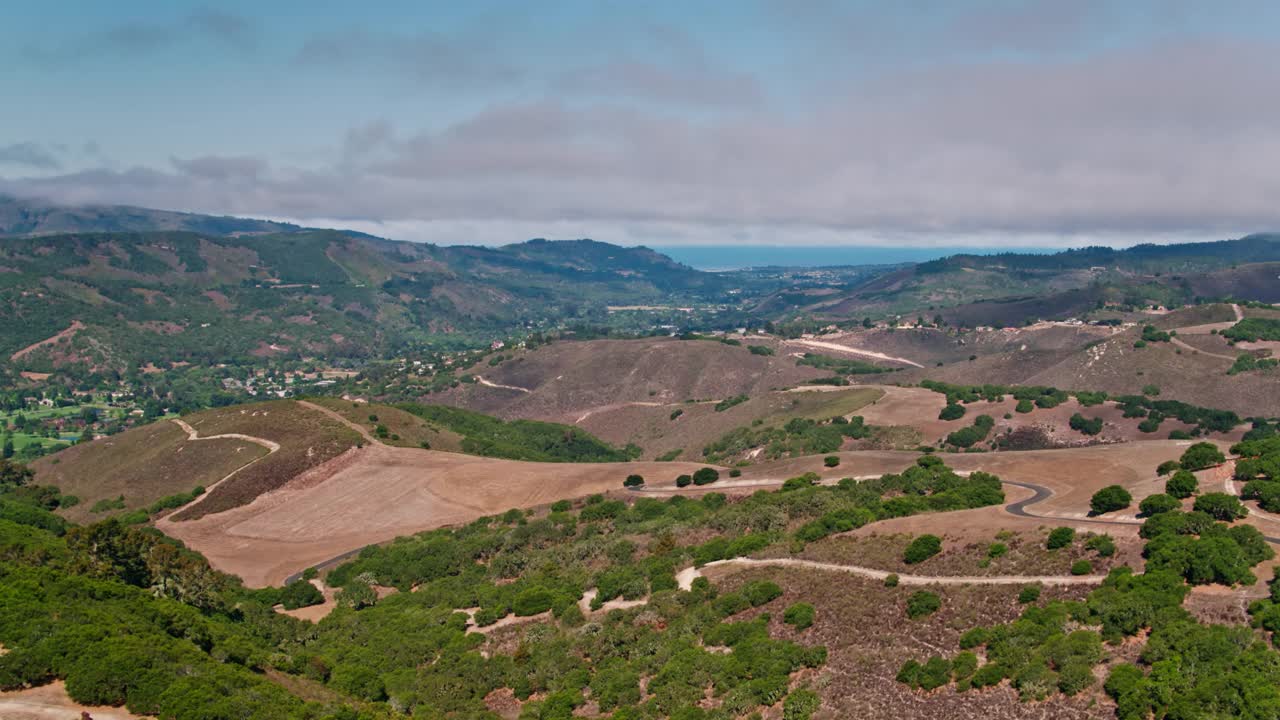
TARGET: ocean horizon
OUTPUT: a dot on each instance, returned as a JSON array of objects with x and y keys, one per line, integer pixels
[{"x": 738, "y": 257}]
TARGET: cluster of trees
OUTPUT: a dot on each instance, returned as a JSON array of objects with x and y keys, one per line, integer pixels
[
  {"x": 927, "y": 486},
  {"x": 1134, "y": 406},
  {"x": 1088, "y": 426},
  {"x": 1247, "y": 362},
  {"x": 842, "y": 366},
  {"x": 1253, "y": 330},
  {"x": 967, "y": 437},
  {"x": 798, "y": 436},
  {"x": 520, "y": 439},
  {"x": 1259, "y": 469}
]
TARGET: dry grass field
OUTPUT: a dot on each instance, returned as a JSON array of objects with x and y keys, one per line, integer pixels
[
  {"x": 50, "y": 702},
  {"x": 375, "y": 493},
  {"x": 143, "y": 464},
  {"x": 307, "y": 438},
  {"x": 564, "y": 380}
]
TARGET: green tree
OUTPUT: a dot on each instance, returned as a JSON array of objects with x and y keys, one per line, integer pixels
[
  {"x": 922, "y": 603},
  {"x": 1158, "y": 503},
  {"x": 14, "y": 475},
  {"x": 705, "y": 476},
  {"x": 922, "y": 548},
  {"x": 1110, "y": 499},
  {"x": 1221, "y": 506},
  {"x": 1060, "y": 538},
  {"x": 1201, "y": 456},
  {"x": 1181, "y": 485}
]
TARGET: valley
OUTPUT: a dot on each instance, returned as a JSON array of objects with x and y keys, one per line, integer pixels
[{"x": 327, "y": 476}]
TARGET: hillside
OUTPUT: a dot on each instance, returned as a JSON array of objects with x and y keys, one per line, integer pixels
[
  {"x": 34, "y": 217},
  {"x": 1006, "y": 289},
  {"x": 162, "y": 297}
]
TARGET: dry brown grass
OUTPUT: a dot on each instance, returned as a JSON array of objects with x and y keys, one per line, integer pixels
[
  {"x": 143, "y": 464},
  {"x": 411, "y": 429},
  {"x": 307, "y": 440},
  {"x": 868, "y": 636}
]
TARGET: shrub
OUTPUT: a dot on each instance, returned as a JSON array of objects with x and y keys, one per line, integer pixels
[
  {"x": 676, "y": 413},
  {"x": 1060, "y": 538},
  {"x": 633, "y": 481},
  {"x": 1029, "y": 594},
  {"x": 1159, "y": 503},
  {"x": 561, "y": 506},
  {"x": 1088, "y": 426},
  {"x": 922, "y": 603},
  {"x": 532, "y": 601},
  {"x": 1182, "y": 485},
  {"x": 760, "y": 592},
  {"x": 1024, "y": 406},
  {"x": 1101, "y": 544},
  {"x": 1221, "y": 506},
  {"x": 799, "y": 616},
  {"x": 1081, "y": 567},
  {"x": 1201, "y": 456},
  {"x": 952, "y": 411},
  {"x": 801, "y": 703},
  {"x": 705, "y": 476},
  {"x": 891, "y": 580},
  {"x": 922, "y": 548},
  {"x": 1110, "y": 499},
  {"x": 831, "y": 461},
  {"x": 995, "y": 550},
  {"x": 1167, "y": 467},
  {"x": 299, "y": 594},
  {"x": 684, "y": 480}
]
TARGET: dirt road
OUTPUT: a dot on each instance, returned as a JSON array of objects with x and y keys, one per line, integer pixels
[
  {"x": 194, "y": 436},
  {"x": 76, "y": 326},
  {"x": 836, "y": 347},
  {"x": 686, "y": 577},
  {"x": 480, "y": 379},
  {"x": 364, "y": 431}
]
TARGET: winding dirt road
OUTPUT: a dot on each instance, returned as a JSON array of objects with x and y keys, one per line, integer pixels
[
  {"x": 193, "y": 435},
  {"x": 686, "y": 577}
]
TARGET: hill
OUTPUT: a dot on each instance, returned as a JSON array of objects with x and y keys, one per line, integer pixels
[
  {"x": 23, "y": 216},
  {"x": 1009, "y": 288},
  {"x": 163, "y": 297}
]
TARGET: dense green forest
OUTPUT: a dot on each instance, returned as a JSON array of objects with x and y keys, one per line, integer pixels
[{"x": 126, "y": 616}]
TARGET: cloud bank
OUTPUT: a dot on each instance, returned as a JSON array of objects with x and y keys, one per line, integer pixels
[{"x": 1177, "y": 138}]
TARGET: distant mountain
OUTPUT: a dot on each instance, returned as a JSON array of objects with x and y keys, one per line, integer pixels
[
  {"x": 1009, "y": 288},
  {"x": 36, "y": 217},
  {"x": 139, "y": 297}
]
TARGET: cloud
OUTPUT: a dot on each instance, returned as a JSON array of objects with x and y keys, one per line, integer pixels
[
  {"x": 30, "y": 155},
  {"x": 674, "y": 70},
  {"x": 137, "y": 39},
  {"x": 427, "y": 58},
  {"x": 1173, "y": 140}
]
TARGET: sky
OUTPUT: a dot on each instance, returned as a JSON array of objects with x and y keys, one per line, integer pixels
[{"x": 775, "y": 122}]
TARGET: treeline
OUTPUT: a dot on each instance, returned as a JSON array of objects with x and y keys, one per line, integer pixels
[
  {"x": 798, "y": 436},
  {"x": 1185, "y": 669},
  {"x": 520, "y": 439},
  {"x": 1205, "y": 420}
]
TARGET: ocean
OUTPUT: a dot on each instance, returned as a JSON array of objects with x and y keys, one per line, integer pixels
[{"x": 736, "y": 257}]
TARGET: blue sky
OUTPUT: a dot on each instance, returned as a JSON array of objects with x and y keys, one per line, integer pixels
[{"x": 760, "y": 121}]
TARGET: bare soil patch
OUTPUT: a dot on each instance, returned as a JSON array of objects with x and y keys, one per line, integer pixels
[
  {"x": 376, "y": 493},
  {"x": 75, "y": 327},
  {"x": 51, "y": 702}
]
